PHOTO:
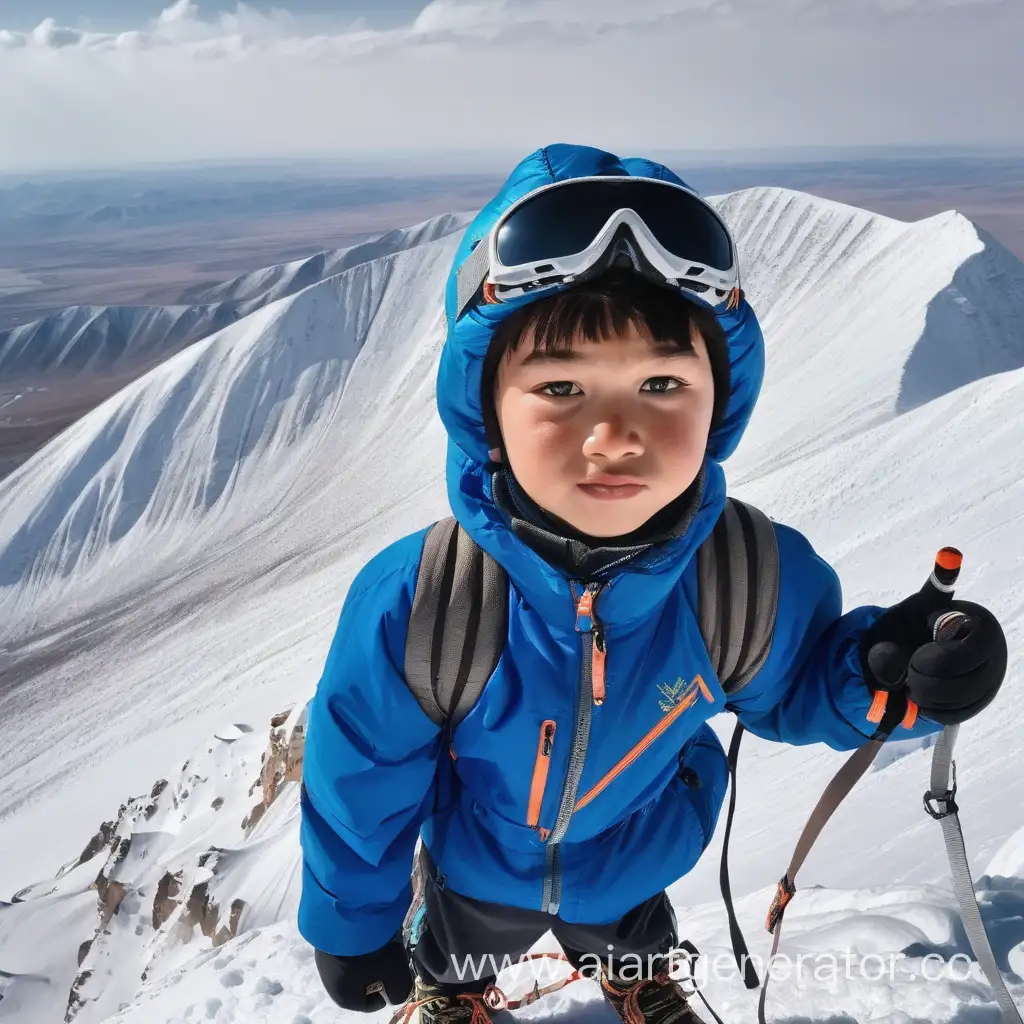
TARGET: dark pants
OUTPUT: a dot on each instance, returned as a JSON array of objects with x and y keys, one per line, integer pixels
[{"x": 474, "y": 938}]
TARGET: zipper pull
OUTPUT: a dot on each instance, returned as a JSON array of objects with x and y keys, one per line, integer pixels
[
  {"x": 599, "y": 656},
  {"x": 585, "y": 611},
  {"x": 588, "y": 622},
  {"x": 540, "y": 776}
]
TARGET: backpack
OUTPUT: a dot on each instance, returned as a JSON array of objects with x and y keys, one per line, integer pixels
[{"x": 457, "y": 630}]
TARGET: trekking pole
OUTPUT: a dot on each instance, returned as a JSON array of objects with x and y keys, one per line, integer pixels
[
  {"x": 944, "y": 623},
  {"x": 940, "y": 798},
  {"x": 947, "y": 624}
]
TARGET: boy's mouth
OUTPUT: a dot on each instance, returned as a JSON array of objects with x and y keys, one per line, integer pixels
[{"x": 609, "y": 487}]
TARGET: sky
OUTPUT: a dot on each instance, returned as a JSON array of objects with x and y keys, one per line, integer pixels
[
  {"x": 102, "y": 83},
  {"x": 124, "y": 15}
]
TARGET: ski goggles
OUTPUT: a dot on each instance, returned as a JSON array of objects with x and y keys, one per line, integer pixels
[{"x": 571, "y": 231}]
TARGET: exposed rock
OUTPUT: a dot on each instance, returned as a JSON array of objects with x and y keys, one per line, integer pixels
[
  {"x": 218, "y": 803},
  {"x": 202, "y": 911},
  {"x": 111, "y": 896},
  {"x": 282, "y": 761},
  {"x": 102, "y": 839},
  {"x": 158, "y": 787},
  {"x": 118, "y": 852},
  {"x": 250, "y": 820},
  {"x": 75, "y": 1001},
  {"x": 164, "y": 903},
  {"x": 208, "y": 858},
  {"x": 121, "y": 852},
  {"x": 199, "y": 910},
  {"x": 237, "y": 906}
]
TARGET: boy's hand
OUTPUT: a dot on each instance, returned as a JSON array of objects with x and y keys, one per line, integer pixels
[
  {"x": 361, "y": 982},
  {"x": 949, "y": 680}
]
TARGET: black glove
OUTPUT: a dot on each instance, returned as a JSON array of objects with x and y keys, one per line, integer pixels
[
  {"x": 361, "y": 982},
  {"x": 949, "y": 680}
]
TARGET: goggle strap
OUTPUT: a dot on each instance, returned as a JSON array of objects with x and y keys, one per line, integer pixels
[{"x": 471, "y": 276}]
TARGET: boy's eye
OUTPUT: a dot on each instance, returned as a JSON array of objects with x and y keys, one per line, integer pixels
[
  {"x": 662, "y": 385},
  {"x": 559, "y": 389}
]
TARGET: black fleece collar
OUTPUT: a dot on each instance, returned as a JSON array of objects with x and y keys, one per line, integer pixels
[{"x": 578, "y": 554}]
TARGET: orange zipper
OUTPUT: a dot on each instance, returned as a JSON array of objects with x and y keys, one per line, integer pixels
[
  {"x": 610, "y": 776},
  {"x": 540, "y": 772},
  {"x": 597, "y": 672},
  {"x": 587, "y": 622}
]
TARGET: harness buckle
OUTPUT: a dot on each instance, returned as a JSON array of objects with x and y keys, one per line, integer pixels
[{"x": 946, "y": 799}]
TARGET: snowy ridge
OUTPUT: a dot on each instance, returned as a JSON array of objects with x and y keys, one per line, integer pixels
[
  {"x": 177, "y": 560},
  {"x": 178, "y": 446},
  {"x": 108, "y": 339},
  {"x": 276, "y": 282},
  {"x": 866, "y": 317},
  {"x": 104, "y": 338}
]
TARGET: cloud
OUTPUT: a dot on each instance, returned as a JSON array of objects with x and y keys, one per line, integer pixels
[
  {"x": 12, "y": 40},
  {"x": 179, "y": 25},
  {"x": 49, "y": 33},
  {"x": 512, "y": 74}
]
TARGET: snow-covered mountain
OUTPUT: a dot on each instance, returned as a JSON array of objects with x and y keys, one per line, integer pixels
[
  {"x": 172, "y": 566},
  {"x": 108, "y": 339}
]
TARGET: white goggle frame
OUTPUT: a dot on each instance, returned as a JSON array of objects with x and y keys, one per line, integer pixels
[{"x": 719, "y": 289}]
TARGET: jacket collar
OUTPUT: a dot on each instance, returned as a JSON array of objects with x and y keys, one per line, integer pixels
[{"x": 577, "y": 555}]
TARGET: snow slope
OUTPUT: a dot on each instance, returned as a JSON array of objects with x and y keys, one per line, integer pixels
[
  {"x": 277, "y": 282},
  {"x": 176, "y": 561},
  {"x": 108, "y": 339}
]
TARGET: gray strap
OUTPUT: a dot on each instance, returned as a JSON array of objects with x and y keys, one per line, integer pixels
[
  {"x": 835, "y": 793},
  {"x": 471, "y": 275},
  {"x": 457, "y": 624},
  {"x": 736, "y": 577},
  {"x": 708, "y": 599},
  {"x": 942, "y": 795},
  {"x": 738, "y": 589}
]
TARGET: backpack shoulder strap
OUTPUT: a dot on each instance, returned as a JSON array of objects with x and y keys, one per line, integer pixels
[
  {"x": 457, "y": 626},
  {"x": 738, "y": 596},
  {"x": 738, "y": 593}
]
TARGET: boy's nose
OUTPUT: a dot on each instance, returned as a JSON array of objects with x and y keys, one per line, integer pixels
[{"x": 611, "y": 439}]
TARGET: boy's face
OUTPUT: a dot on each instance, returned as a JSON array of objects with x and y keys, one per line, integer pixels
[{"x": 606, "y": 435}]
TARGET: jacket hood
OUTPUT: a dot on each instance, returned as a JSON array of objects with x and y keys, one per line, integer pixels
[{"x": 468, "y": 338}]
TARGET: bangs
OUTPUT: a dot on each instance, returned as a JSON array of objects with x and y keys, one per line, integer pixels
[{"x": 607, "y": 308}]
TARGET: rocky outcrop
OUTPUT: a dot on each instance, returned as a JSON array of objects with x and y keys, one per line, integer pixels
[
  {"x": 202, "y": 911},
  {"x": 75, "y": 1000},
  {"x": 282, "y": 761},
  {"x": 100, "y": 841},
  {"x": 165, "y": 902},
  {"x": 148, "y": 900}
]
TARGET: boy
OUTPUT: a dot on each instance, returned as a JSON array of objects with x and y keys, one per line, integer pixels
[{"x": 600, "y": 364}]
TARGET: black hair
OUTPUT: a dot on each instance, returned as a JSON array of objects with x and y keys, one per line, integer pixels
[{"x": 599, "y": 309}]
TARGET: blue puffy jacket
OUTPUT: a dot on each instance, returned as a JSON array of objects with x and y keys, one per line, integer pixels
[{"x": 377, "y": 773}]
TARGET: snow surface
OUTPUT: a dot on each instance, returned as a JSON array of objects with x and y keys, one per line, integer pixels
[
  {"x": 111, "y": 338},
  {"x": 172, "y": 567}
]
